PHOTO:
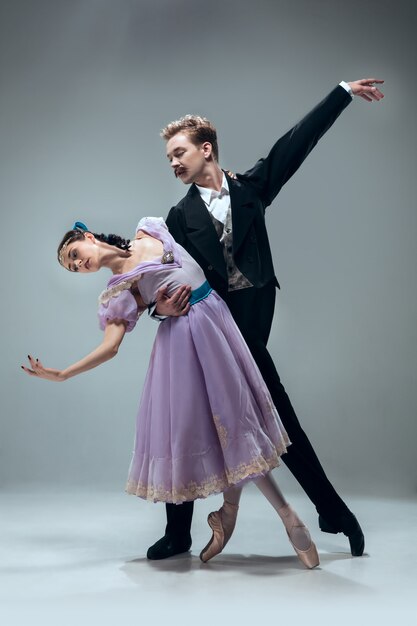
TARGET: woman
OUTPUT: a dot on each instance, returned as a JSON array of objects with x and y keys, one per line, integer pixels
[{"x": 206, "y": 423}]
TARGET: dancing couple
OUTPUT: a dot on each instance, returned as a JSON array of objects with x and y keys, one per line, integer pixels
[{"x": 213, "y": 413}]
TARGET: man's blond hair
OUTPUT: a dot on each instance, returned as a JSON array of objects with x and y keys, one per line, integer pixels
[{"x": 199, "y": 129}]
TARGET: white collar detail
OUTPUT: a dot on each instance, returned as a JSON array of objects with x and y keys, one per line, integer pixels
[{"x": 217, "y": 202}]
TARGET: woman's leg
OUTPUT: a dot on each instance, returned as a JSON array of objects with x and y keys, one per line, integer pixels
[
  {"x": 298, "y": 533},
  {"x": 222, "y": 523}
]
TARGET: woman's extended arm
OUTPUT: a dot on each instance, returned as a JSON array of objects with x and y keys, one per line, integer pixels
[{"x": 113, "y": 337}]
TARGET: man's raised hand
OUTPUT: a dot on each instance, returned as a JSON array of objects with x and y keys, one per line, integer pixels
[{"x": 365, "y": 88}]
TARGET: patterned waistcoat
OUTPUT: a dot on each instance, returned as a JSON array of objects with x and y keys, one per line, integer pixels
[{"x": 236, "y": 280}]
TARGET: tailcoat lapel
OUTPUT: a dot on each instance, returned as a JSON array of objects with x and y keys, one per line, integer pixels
[
  {"x": 201, "y": 231},
  {"x": 243, "y": 211}
]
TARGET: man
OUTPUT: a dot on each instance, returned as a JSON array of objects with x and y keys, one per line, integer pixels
[{"x": 220, "y": 222}]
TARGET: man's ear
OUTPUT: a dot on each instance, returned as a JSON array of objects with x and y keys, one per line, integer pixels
[{"x": 207, "y": 149}]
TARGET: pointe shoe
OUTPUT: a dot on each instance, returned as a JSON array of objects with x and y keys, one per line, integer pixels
[
  {"x": 222, "y": 523},
  {"x": 309, "y": 557}
]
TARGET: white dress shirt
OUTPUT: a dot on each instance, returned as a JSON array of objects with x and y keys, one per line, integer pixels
[{"x": 217, "y": 202}]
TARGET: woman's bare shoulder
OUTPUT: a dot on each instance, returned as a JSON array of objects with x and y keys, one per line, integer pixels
[{"x": 145, "y": 248}]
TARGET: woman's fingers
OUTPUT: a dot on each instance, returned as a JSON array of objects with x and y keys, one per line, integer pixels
[{"x": 35, "y": 364}]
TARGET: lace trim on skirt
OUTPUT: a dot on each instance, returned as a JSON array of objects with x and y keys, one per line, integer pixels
[{"x": 214, "y": 484}]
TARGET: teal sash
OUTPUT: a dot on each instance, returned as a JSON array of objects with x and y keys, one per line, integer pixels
[{"x": 200, "y": 293}]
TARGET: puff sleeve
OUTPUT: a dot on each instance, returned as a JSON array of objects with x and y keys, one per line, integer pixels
[{"x": 121, "y": 307}]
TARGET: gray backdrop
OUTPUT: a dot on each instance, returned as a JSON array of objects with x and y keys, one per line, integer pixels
[{"x": 85, "y": 87}]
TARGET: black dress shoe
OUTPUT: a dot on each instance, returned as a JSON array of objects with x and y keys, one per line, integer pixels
[
  {"x": 349, "y": 526},
  {"x": 168, "y": 546}
]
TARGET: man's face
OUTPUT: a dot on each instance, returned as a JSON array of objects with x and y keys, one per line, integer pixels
[{"x": 187, "y": 160}]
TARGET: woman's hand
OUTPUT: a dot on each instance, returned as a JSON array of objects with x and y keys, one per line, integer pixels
[
  {"x": 37, "y": 369},
  {"x": 113, "y": 336}
]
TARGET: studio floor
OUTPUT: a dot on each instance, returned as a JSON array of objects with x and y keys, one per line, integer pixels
[{"x": 79, "y": 557}]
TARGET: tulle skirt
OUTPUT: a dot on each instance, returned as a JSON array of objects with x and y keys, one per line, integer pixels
[{"x": 206, "y": 420}]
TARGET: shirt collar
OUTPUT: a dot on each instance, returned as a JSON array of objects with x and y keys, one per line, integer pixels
[{"x": 208, "y": 195}]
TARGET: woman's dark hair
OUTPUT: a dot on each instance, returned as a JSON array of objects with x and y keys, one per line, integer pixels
[{"x": 77, "y": 235}]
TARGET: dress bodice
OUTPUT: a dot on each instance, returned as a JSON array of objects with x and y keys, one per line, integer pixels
[{"x": 175, "y": 268}]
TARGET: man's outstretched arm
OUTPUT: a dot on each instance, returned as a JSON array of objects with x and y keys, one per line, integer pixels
[{"x": 270, "y": 174}]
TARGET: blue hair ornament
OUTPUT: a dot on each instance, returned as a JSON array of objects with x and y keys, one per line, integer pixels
[{"x": 79, "y": 226}]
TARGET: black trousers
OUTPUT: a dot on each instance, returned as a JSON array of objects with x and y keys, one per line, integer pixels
[{"x": 253, "y": 311}]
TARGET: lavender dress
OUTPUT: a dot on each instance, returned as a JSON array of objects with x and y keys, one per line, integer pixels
[{"x": 206, "y": 420}]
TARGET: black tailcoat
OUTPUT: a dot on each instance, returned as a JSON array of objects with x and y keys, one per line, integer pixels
[{"x": 250, "y": 194}]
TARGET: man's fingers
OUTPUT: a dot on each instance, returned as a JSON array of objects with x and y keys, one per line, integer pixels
[
  {"x": 369, "y": 81},
  {"x": 365, "y": 88},
  {"x": 371, "y": 93},
  {"x": 181, "y": 294},
  {"x": 162, "y": 293},
  {"x": 183, "y": 299},
  {"x": 176, "y": 304}
]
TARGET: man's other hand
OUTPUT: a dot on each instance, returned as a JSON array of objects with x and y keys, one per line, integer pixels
[{"x": 175, "y": 305}]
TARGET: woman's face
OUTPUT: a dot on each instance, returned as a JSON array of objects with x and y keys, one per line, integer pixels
[{"x": 82, "y": 255}]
